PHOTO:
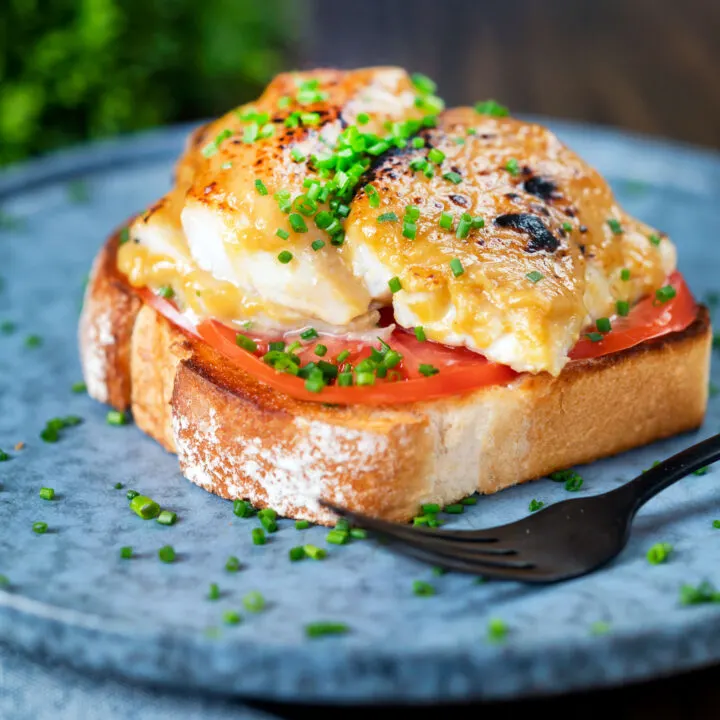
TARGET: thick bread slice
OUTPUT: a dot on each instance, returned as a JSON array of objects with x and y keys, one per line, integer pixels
[{"x": 238, "y": 438}]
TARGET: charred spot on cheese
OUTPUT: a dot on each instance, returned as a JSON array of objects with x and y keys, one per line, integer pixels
[
  {"x": 512, "y": 196},
  {"x": 541, "y": 187},
  {"x": 459, "y": 200},
  {"x": 540, "y": 237}
]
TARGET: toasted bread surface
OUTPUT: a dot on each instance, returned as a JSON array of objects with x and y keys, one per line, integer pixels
[{"x": 239, "y": 438}]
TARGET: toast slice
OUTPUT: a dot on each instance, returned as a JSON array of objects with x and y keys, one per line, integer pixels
[{"x": 238, "y": 438}]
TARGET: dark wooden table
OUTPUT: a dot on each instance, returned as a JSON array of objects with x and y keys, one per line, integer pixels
[{"x": 646, "y": 65}]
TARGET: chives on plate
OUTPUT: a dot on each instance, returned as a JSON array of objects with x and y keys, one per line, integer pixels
[
  {"x": 40, "y": 527},
  {"x": 296, "y": 553},
  {"x": 409, "y": 230},
  {"x": 309, "y": 334},
  {"x": 166, "y": 517},
  {"x": 317, "y": 245},
  {"x": 144, "y": 507},
  {"x": 664, "y": 294},
  {"x": 213, "y": 592},
  {"x": 118, "y": 486},
  {"x": 659, "y": 553},
  {"x": 594, "y": 336},
  {"x": 497, "y": 630},
  {"x": 427, "y": 370},
  {"x": 282, "y": 234},
  {"x": 464, "y": 225},
  {"x": 130, "y": 494},
  {"x": 513, "y": 167},
  {"x": 615, "y": 226},
  {"x": 126, "y": 552},
  {"x": 245, "y": 342},
  {"x": 420, "y": 334},
  {"x": 603, "y": 325},
  {"x": 314, "y": 552},
  {"x": 625, "y": 274},
  {"x": 232, "y": 564},
  {"x": 654, "y": 239},
  {"x": 446, "y": 221},
  {"x": 455, "y": 509},
  {"x": 78, "y": 387},
  {"x": 491, "y": 107},
  {"x": 253, "y": 602},
  {"x": 258, "y": 536},
  {"x": 567, "y": 227},
  {"x": 535, "y": 505},
  {"x": 622, "y": 308},
  {"x": 231, "y": 617},
  {"x": 116, "y": 417},
  {"x": 422, "y": 588},
  {"x": 320, "y": 629},
  {"x": 47, "y": 493}
]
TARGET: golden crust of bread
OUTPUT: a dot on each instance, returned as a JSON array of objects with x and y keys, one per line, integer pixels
[{"x": 238, "y": 438}]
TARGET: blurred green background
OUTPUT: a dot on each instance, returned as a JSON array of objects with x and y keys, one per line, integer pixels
[
  {"x": 72, "y": 70},
  {"x": 77, "y": 69}
]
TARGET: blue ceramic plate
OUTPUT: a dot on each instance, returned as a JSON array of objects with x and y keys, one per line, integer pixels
[{"x": 72, "y": 598}]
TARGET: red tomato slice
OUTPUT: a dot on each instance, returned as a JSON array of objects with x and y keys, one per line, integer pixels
[
  {"x": 647, "y": 320},
  {"x": 460, "y": 370}
]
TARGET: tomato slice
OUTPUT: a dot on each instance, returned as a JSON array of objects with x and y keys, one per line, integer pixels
[
  {"x": 459, "y": 370},
  {"x": 648, "y": 319}
]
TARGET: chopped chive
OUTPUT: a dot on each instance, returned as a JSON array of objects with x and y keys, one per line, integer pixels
[
  {"x": 603, "y": 325},
  {"x": 446, "y": 221},
  {"x": 78, "y": 387},
  {"x": 535, "y": 505},
  {"x": 372, "y": 196},
  {"x": 296, "y": 553},
  {"x": 436, "y": 156},
  {"x": 427, "y": 370},
  {"x": 118, "y": 486},
  {"x": 387, "y": 217},
  {"x": 40, "y": 527},
  {"x": 456, "y": 267},
  {"x": 116, "y": 417},
  {"x": 302, "y": 524},
  {"x": 567, "y": 227},
  {"x": 513, "y": 167},
  {"x": 623, "y": 308},
  {"x": 320, "y": 629},
  {"x": 663, "y": 294},
  {"x": 345, "y": 379},
  {"x": 254, "y": 601},
  {"x": 166, "y": 292},
  {"x": 232, "y": 564},
  {"x": 297, "y": 155},
  {"x": 166, "y": 517},
  {"x": 716, "y": 524},
  {"x": 409, "y": 230},
  {"x": 477, "y": 222},
  {"x": 260, "y": 187},
  {"x": 471, "y": 500},
  {"x": 364, "y": 378},
  {"x": 654, "y": 239},
  {"x": 625, "y": 274},
  {"x": 4, "y": 457},
  {"x": 600, "y": 627},
  {"x": 491, "y": 107},
  {"x": 420, "y": 334},
  {"x": 702, "y": 471},
  {"x": 232, "y": 617},
  {"x": 423, "y": 83},
  {"x": 297, "y": 223},
  {"x": 615, "y": 226},
  {"x": 422, "y": 588},
  {"x": 497, "y": 630},
  {"x": 130, "y": 494},
  {"x": 337, "y": 537},
  {"x": 285, "y": 257},
  {"x": 126, "y": 552},
  {"x": 144, "y": 507},
  {"x": 309, "y": 334},
  {"x": 245, "y": 342},
  {"x": 358, "y": 533},
  {"x": 258, "y": 536},
  {"x": 418, "y": 143},
  {"x": 594, "y": 336},
  {"x": 362, "y": 118},
  {"x": 283, "y": 234},
  {"x": 167, "y": 554},
  {"x": 243, "y": 509},
  {"x": 317, "y": 245},
  {"x": 453, "y": 177},
  {"x": 213, "y": 592},
  {"x": 266, "y": 131},
  {"x": 343, "y": 356},
  {"x": 412, "y": 212},
  {"x": 47, "y": 493},
  {"x": 33, "y": 341},
  {"x": 394, "y": 284},
  {"x": 534, "y": 276},
  {"x": 250, "y": 133},
  {"x": 314, "y": 552},
  {"x": 464, "y": 225},
  {"x": 659, "y": 553},
  {"x": 573, "y": 483},
  {"x": 124, "y": 236}
]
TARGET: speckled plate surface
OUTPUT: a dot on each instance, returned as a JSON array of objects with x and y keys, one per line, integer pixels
[{"x": 72, "y": 598}]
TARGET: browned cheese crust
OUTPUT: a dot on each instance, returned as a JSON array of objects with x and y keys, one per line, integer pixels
[{"x": 238, "y": 438}]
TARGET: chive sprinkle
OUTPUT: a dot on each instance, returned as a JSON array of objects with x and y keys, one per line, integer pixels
[
  {"x": 320, "y": 629},
  {"x": 436, "y": 156},
  {"x": 232, "y": 564},
  {"x": 625, "y": 274},
  {"x": 427, "y": 370},
  {"x": 297, "y": 155},
  {"x": 283, "y": 234},
  {"x": 167, "y": 554},
  {"x": 285, "y": 257},
  {"x": 253, "y": 602},
  {"x": 245, "y": 342},
  {"x": 567, "y": 227},
  {"x": 144, "y": 507},
  {"x": 594, "y": 336},
  {"x": 309, "y": 334},
  {"x": 654, "y": 239},
  {"x": 446, "y": 221},
  {"x": 166, "y": 517},
  {"x": 453, "y": 177},
  {"x": 213, "y": 592},
  {"x": 394, "y": 284},
  {"x": 232, "y": 617},
  {"x": 258, "y": 536},
  {"x": 420, "y": 334},
  {"x": 615, "y": 226},
  {"x": 534, "y": 276},
  {"x": 343, "y": 356},
  {"x": 603, "y": 325},
  {"x": 409, "y": 230},
  {"x": 116, "y": 417},
  {"x": 464, "y": 225},
  {"x": 130, "y": 494},
  {"x": 716, "y": 524},
  {"x": 535, "y": 505},
  {"x": 387, "y": 217},
  {"x": 260, "y": 187},
  {"x": 497, "y": 630},
  {"x": 512, "y": 166},
  {"x": 491, "y": 107},
  {"x": 47, "y": 493},
  {"x": 78, "y": 387},
  {"x": 297, "y": 223},
  {"x": 317, "y": 245},
  {"x": 422, "y": 588},
  {"x": 314, "y": 552},
  {"x": 4, "y": 457},
  {"x": 664, "y": 294},
  {"x": 296, "y": 553},
  {"x": 455, "y": 509},
  {"x": 166, "y": 292},
  {"x": 456, "y": 267},
  {"x": 126, "y": 552},
  {"x": 659, "y": 553},
  {"x": 40, "y": 527},
  {"x": 471, "y": 500},
  {"x": 622, "y": 308}
]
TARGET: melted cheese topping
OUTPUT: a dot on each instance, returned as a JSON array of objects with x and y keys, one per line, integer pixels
[{"x": 214, "y": 239}]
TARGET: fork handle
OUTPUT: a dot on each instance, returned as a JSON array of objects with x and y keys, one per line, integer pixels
[{"x": 675, "y": 468}]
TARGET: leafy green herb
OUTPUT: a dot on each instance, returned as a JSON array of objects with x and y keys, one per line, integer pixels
[
  {"x": 232, "y": 564},
  {"x": 615, "y": 226},
  {"x": 145, "y": 507},
  {"x": 536, "y": 505},
  {"x": 232, "y": 617},
  {"x": 497, "y": 630},
  {"x": 126, "y": 552},
  {"x": 422, "y": 588},
  {"x": 659, "y": 553},
  {"x": 40, "y": 528},
  {"x": 705, "y": 592}
]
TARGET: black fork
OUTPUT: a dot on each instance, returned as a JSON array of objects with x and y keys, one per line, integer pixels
[{"x": 562, "y": 541}]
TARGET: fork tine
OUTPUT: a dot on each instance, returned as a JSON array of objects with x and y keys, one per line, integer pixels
[{"x": 417, "y": 536}]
